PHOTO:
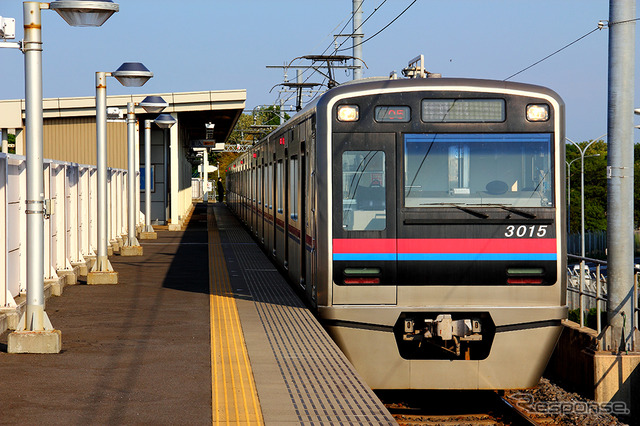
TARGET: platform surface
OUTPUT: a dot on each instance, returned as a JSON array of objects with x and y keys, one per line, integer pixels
[{"x": 179, "y": 342}]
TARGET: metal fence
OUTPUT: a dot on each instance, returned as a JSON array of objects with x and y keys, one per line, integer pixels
[
  {"x": 70, "y": 229},
  {"x": 587, "y": 289},
  {"x": 595, "y": 244}
]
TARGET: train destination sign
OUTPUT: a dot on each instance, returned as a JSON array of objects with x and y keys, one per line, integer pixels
[{"x": 397, "y": 114}]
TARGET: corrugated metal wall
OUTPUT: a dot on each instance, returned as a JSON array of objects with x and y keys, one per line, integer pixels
[{"x": 74, "y": 140}]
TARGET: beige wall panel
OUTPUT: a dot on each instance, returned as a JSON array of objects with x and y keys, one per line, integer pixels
[{"x": 74, "y": 140}]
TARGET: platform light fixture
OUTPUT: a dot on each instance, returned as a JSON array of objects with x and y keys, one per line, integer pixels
[
  {"x": 76, "y": 13},
  {"x": 153, "y": 105},
  {"x": 129, "y": 74},
  {"x": 164, "y": 121},
  {"x": 84, "y": 13},
  {"x": 132, "y": 74}
]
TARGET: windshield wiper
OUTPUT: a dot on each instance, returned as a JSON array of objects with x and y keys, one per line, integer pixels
[
  {"x": 512, "y": 210},
  {"x": 459, "y": 207},
  {"x": 520, "y": 212}
]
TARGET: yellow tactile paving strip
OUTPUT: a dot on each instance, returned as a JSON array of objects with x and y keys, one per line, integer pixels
[{"x": 234, "y": 395}]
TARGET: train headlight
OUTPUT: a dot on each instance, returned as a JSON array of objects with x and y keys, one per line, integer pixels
[
  {"x": 538, "y": 112},
  {"x": 348, "y": 113}
]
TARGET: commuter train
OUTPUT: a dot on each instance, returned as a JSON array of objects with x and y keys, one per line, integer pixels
[{"x": 422, "y": 219}]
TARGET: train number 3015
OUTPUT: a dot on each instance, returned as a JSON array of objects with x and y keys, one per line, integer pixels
[{"x": 526, "y": 231}]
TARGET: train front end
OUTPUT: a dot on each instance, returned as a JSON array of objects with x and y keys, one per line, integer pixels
[{"x": 444, "y": 231}]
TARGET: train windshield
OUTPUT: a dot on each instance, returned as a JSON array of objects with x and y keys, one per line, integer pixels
[{"x": 478, "y": 170}]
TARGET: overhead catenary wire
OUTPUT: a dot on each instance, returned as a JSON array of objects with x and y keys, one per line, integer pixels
[
  {"x": 600, "y": 26},
  {"x": 554, "y": 53},
  {"x": 327, "y": 48},
  {"x": 364, "y": 41},
  {"x": 345, "y": 40},
  {"x": 383, "y": 28}
]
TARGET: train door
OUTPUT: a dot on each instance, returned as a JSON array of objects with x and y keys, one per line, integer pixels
[
  {"x": 302, "y": 216},
  {"x": 294, "y": 215},
  {"x": 364, "y": 218},
  {"x": 310, "y": 213},
  {"x": 268, "y": 208},
  {"x": 281, "y": 220},
  {"x": 259, "y": 212},
  {"x": 252, "y": 199}
]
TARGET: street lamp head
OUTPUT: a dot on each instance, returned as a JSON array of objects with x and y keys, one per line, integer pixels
[
  {"x": 165, "y": 121},
  {"x": 84, "y": 13},
  {"x": 153, "y": 104},
  {"x": 132, "y": 74}
]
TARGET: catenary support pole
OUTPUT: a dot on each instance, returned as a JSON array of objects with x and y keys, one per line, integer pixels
[
  {"x": 620, "y": 173},
  {"x": 357, "y": 39}
]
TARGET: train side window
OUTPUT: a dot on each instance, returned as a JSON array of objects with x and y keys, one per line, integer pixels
[
  {"x": 280, "y": 187},
  {"x": 293, "y": 187},
  {"x": 363, "y": 191},
  {"x": 259, "y": 186}
]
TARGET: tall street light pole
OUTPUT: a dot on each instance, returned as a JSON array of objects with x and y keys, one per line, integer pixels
[
  {"x": 148, "y": 232},
  {"x": 151, "y": 104},
  {"x": 129, "y": 74},
  {"x": 582, "y": 157},
  {"x": 164, "y": 121},
  {"x": 569, "y": 163},
  {"x": 35, "y": 333}
]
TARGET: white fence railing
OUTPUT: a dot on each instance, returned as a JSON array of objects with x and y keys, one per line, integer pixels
[
  {"x": 71, "y": 229},
  {"x": 587, "y": 289}
]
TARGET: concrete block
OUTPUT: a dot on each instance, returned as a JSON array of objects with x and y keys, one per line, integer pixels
[
  {"x": 34, "y": 342},
  {"x": 91, "y": 260},
  {"x": 70, "y": 276},
  {"x": 4, "y": 323},
  {"x": 56, "y": 286},
  {"x": 102, "y": 277},
  {"x": 175, "y": 227},
  {"x": 83, "y": 267},
  {"x": 617, "y": 379},
  {"x": 148, "y": 235},
  {"x": 13, "y": 318},
  {"x": 131, "y": 251},
  {"x": 110, "y": 250},
  {"x": 48, "y": 288}
]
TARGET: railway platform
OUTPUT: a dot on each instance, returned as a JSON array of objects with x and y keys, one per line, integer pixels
[{"x": 201, "y": 329}]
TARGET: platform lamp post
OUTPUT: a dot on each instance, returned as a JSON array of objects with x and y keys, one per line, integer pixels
[
  {"x": 153, "y": 105},
  {"x": 164, "y": 121},
  {"x": 569, "y": 163},
  {"x": 129, "y": 74},
  {"x": 582, "y": 157},
  {"x": 35, "y": 333}
]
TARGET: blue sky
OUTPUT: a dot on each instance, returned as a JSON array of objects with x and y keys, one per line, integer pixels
[{"x": 194, "y": 45}]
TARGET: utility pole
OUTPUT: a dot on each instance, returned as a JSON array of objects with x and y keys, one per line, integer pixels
[
  {"x": 357, "y": 36},
  {"x": 620, "y": 279}
]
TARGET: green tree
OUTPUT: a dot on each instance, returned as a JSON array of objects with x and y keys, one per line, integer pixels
[{"x": 12, "y": 140}]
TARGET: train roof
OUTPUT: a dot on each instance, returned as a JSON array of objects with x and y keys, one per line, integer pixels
[{"x": 373, "y": 83}]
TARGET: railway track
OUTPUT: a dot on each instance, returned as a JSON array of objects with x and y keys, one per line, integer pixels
[{"x": 413, "y": 408}]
